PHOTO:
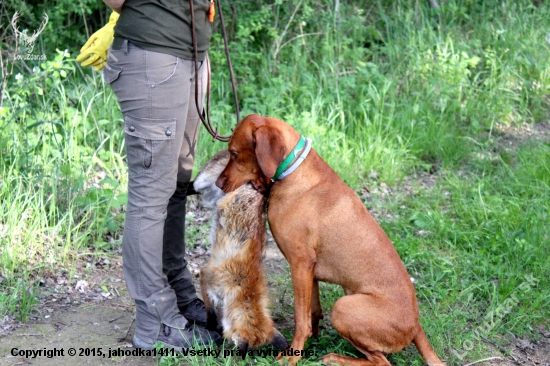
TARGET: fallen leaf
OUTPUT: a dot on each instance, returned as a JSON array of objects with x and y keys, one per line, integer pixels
[
  {"x": 81, "y": 286},
  {"x": 524, "y": 344}
]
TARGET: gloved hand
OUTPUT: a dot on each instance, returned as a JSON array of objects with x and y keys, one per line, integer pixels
[{"x": 94, "y": 52}]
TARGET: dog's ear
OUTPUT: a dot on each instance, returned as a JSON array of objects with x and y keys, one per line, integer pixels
[{"x": 270, "y": 149}]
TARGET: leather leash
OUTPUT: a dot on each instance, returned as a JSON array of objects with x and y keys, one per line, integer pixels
[{"x": 205, "y": 114}]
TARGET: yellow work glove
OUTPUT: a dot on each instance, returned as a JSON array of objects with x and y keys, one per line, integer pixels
[{"x": 94, "y": 52}]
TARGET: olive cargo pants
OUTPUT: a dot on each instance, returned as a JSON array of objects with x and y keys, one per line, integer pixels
[{"x": 156, "y": 94}]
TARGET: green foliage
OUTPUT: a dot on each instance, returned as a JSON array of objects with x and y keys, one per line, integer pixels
[
  {"x": 70, "y": 22},
  {"x": 63, "y": 175},
  {"x": 19, "y": 300},
  {"x": 472, "y": 245},
  {"x": 401, "y": 83}
]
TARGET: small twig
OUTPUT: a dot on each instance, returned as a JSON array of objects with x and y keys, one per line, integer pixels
[
  {"x": 114, "y": 344},
  {"x": 485, "y": 359},
  {"x": 115, "y": 319},
  {"x": 489, "y": 341},
  {"x": 85, "y": 22},
  {"x": 337, "y": 12},
  {"x": 347, "y": 72},
  {"x": 278, "y": 42},
  {"x": 4, "y": 76},
  {"x": 299, "y": 36},
  {"x": 114, "y": 288},
  {"x": 282, "y": 301},
  {"x": 302, "y": 33},
  {"x": 121, "y": 306},
  {"x": 29, "y": 334},
  {"x": 128, "y": 330}
]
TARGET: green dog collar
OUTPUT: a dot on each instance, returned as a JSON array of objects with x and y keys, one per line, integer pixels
[{"x": 289, "y": 159}]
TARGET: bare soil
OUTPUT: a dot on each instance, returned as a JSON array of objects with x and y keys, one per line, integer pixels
[{"x": 93, "y": 310}]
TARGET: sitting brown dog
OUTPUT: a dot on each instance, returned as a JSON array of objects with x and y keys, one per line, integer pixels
[
  {"x": 326, "y": 234},
  {"x": 233, "y": 281}
]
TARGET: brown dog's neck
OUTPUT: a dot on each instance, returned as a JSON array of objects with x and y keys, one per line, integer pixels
[{"x": 305, "y": 177}]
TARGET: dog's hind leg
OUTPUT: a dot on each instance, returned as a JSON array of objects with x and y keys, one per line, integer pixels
[
  {"x": 373, "y": 359},
  {"x": 370, "y": 325}
]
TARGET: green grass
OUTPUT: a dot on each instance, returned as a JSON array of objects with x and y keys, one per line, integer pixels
[
  {"x": 471, "y": 242},
  {"x": 392, "y": 89}
]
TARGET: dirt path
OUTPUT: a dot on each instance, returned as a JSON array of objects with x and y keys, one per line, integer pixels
[{"x": 97, "y": 321}]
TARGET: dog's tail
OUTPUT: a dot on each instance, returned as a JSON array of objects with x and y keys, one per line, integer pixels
[{"x": 426, "y": 351}]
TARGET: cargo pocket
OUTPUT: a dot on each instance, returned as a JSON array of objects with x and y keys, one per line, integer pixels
[
  {"x": 111, "y": 73},
  {"x": 149, "y": 144}
]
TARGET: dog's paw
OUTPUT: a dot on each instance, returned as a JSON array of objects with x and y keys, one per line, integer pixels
[
  {"x": 328, "y": 359},
  {"x": 287, "y": 360}
]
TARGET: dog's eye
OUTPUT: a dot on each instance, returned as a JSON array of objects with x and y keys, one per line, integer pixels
[{"x": 234, "y": 154}]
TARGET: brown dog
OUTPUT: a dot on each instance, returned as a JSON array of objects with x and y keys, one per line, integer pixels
[
  {"x": 233, "y": 281},
  {"x": 326, "y": 234}
]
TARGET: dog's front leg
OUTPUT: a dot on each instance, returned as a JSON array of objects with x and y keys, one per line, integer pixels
[
  {"x": 302, "y": 271},
  {"x": 316, "y": 310}
]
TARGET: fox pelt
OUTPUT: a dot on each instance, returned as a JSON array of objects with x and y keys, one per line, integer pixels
[{"x": 233, "y": 281}]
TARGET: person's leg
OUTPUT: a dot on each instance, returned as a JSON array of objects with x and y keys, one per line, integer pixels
[
  {"x": 174, "y": 263},
  {"x": 153, "y": 95}
]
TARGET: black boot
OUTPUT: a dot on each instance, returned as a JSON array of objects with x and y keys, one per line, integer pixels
[{"x": 194, "y": 312}]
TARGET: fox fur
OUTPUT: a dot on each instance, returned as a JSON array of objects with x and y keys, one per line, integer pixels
[
  {"x": 233, "y": 282},
  {"x": 205, "y": 184}
]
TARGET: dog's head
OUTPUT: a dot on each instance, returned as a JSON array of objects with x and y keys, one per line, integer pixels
[{"x": 257, "y": 147}]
